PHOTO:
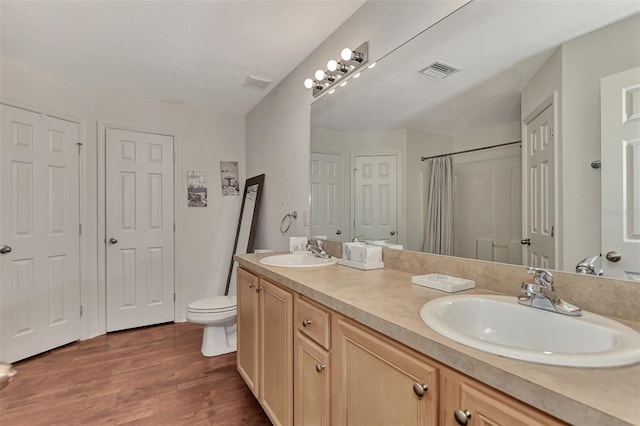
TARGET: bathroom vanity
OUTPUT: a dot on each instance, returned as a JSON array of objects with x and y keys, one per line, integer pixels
[{"x": 335, "y": 345}]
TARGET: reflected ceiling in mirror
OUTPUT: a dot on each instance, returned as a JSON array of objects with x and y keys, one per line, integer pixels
[{"x": 498, "y": 47}]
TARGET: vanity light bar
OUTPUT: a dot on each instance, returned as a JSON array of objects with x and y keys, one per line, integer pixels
[{"x": 337, "y": 71}]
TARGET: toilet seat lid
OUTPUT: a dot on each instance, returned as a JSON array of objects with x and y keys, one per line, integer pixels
[{"x": 214, "y": 304}]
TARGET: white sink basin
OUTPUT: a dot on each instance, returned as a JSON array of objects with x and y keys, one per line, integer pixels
[
  {"x": 499, "y": 325},
  {"x": 297, "y": 260}
]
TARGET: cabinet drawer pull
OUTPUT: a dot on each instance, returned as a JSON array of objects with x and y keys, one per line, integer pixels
[
  {"x": 319, "y": 367},
  {"x": 462, "y": 416},
  {"x": 420, "y": 389},
  {"x": 306, "y": 323},
  {"x": 251, "y": 285},
  {"x": 258, "y": 288}
]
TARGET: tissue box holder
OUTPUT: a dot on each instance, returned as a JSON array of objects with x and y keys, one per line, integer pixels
[
  {"x": 443, "y": 282},
  {"x": 359, "y": 265}
]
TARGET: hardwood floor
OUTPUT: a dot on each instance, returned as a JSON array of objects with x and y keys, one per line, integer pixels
[{"x": 147, "y": 376}]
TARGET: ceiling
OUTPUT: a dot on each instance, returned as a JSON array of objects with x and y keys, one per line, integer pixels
[
  {"x": 192, "y": 52},
  {"x": 499, "y": 46}
]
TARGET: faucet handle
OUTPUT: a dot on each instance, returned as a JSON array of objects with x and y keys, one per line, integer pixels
[{"x": 542, "y": 277}]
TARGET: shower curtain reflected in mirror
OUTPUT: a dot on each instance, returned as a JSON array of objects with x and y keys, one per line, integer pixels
[{"x": 438, "y": 236}]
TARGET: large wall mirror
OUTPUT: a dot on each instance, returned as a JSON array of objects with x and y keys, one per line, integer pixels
[
  {"x": 247, "y": 223},
  {"x": 528, "y": 71}
]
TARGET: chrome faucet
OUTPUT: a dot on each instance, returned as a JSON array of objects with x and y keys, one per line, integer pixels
[
  {"x": 587, "y": 266},
  {"x": 318, "y": 250},
  {"x": 541, "y": 294},
  {"x": 357, "y": 238}
]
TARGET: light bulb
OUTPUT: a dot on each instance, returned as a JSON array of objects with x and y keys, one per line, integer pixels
[
  {"x": 356, "y": 75},
  {"x": 332, "y": 65},
  {"x": 344, "y": 83},
  {"x": 345, "y": 54},
  {"x": 308, "y": 83},
  {"x": 372, "y": 65},
  {"x": 331, "y": 91},
  {"x": 319, "y": 75}
]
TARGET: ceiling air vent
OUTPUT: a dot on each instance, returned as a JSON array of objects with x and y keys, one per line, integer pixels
[
  {"x": 439, "y": 70},
  {"x": 256, "y": 83}
]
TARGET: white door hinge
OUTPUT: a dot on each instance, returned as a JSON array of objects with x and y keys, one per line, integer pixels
[
  {"x": 81, "y": 310},
  {"x": 80, "y": 144},
  {"x": 80, "y": 229}
]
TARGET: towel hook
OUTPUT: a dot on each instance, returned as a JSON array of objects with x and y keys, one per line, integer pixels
[{"x": 293, "y": 214}]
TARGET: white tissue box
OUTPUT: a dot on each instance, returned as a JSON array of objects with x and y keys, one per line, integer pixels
[
  {"x": 346, "y": 249},
  {"x": 443, "y": 282},
  {"x": 366, "y": 254}
]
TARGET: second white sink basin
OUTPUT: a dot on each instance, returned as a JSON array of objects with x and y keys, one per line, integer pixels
[
  {"x": 297, "y": 260},
  {"x": 499, "y": 325}
]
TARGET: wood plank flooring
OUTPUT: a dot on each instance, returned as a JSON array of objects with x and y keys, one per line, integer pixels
[{"x": 147, "y": 376}]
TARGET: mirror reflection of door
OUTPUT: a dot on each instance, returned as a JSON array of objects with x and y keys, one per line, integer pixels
[
  {"x": 375, "y": 197},
  {"x": 539, "y": 153},
  {"x": 327, "y": 195},
  {"x": 620, "y": 144}
]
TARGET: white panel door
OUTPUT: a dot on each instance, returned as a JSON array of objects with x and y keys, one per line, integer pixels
[
  {"x": 327, "y": 195},
  {"x": 375, "y": 197},
  {"x": 40, "y": 276},
  {"x": 620, "y": 109},
  {"x": 540, "y": 189},
  {"x": 139, "y": 229}
]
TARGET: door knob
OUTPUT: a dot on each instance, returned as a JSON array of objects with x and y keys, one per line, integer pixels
[
  {"x": 392, "y": 232},
  {"x": 113, "y": 240},
  {"x": 525, "y": 241},
  {"x": 5, "y": 249},
  {"x": 306, "y": 323},
  {"x": 320, "y": 367},
  {"x": 338, "y": 232},
  {"x": 613, "y": 256}
]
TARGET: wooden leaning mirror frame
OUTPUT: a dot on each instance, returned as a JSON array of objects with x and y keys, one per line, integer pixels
[{"x": 247, "y": 222}]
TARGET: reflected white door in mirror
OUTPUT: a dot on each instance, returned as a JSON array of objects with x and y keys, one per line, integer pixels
[
  {"x": 217, "y": 314},
  {"x": 620, "y": 97}
]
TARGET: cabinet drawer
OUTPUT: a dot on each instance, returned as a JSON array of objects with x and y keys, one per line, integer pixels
[{"x": 314, "y": 321}]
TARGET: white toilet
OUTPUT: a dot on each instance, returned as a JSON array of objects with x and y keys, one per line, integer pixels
[{"x": 217, "y": 315}]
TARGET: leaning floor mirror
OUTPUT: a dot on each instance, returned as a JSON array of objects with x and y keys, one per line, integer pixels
[{"x": 247, "y": 223}]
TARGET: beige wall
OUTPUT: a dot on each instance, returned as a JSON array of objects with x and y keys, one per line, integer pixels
[{"x": 204, "y": 237}]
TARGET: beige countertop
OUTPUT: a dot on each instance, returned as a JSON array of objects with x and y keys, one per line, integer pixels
[{"x": 386, "y": 301}]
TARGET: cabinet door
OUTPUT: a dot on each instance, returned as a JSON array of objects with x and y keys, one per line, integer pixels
[
  {"x": 311, "y": 389},
  {"x": 247, "y": 355},
  {"x": 484, "y": 405},
  {"x": 276, "y": 348},
  {"x": 374, "y": 377}
]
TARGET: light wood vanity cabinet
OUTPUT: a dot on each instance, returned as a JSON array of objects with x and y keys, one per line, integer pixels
[
  {"x": 377, "y": 381},
  {"x": 344, "y": 373},
  {"x": 467, "y": 401},
  {"x": 312, "y": 364},
  {"x": 265, "y": 344}
]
